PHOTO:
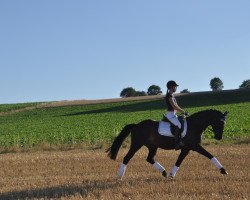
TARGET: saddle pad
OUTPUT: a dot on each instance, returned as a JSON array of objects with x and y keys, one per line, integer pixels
[{"x": 165, "y": 130}]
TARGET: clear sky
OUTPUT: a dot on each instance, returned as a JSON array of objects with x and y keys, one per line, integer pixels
[{"x": 92, "y": 49}]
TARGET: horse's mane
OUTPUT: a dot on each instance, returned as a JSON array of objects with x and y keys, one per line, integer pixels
[{"x": 208, "y": 113}]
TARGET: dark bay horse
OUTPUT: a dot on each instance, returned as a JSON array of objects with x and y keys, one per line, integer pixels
[{"x": 146, "y": 134}]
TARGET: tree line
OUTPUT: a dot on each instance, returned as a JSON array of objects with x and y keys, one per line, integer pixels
[{"x": 216, "y": 84}]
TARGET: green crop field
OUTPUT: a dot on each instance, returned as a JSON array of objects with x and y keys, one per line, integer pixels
[{"x": 99, "y": 123}]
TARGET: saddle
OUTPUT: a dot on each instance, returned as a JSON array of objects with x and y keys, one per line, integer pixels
[{"x": 172, "y": 126}]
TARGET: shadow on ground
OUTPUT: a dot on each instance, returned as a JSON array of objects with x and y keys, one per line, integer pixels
[
  {"x": 84, "y": 189},
  {"x": 61, "y": 191}
]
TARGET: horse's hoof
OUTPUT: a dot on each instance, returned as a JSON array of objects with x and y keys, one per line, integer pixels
[
  {"x": 171, "y": 176},
  {"x": 223, "y": 171},
  {"x": 164, "y": 174}
]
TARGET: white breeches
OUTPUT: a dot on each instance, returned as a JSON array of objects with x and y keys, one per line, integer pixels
[{"x": 172, "y": 117}]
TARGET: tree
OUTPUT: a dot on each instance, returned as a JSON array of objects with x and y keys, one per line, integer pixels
[
  {"x": 128, "y": 92},
  {"x": 245, "y": 84},
  {"x": 154, "y": 90},
  {"x": 216, "y": 84},
  {"x": 185, "y": 91}
]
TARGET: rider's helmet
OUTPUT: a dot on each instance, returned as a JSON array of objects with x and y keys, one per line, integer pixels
[{"x": 171, "y": 84}]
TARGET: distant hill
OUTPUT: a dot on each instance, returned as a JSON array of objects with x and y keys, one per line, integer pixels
[
  {"x": 197, "y": 99},
  {"x": 185, "y": 99},
  {"x": 193, "y": 99}
]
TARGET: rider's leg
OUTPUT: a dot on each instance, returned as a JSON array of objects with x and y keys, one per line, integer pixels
[
  {"x": 177, "y": 132},
  {"x": 177, "y": 136}
]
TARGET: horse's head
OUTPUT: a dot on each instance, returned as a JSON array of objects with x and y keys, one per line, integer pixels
[{"x": 218, "y": 123}]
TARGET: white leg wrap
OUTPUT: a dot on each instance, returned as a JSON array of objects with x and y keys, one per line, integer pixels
[
  {"x": 216, "y": 162},
  {"x": 159, "y": 167},
  {"x": 122, "y": 170},
  {"x": 174, "y": 170}
]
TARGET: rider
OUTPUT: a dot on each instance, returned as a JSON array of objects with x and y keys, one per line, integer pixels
[{"x": 172, "y": 108}]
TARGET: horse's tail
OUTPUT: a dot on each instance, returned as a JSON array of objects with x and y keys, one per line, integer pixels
[{"x": 113, "y": 150}]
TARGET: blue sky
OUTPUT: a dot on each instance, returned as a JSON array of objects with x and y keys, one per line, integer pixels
[{"x": 92, "y": 49}]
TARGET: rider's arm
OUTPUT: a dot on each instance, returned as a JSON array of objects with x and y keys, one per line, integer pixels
[{"x": 175, "y": 106}]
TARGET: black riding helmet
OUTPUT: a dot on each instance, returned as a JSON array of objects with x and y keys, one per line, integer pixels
[{"x": 171, "y": 84}]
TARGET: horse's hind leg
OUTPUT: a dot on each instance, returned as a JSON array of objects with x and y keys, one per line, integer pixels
[
  {"x": 133, "y": 149},
  {"x": 150, "y": 159}
]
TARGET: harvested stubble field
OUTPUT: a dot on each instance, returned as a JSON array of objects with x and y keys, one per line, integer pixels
[{"x": 89, "y": 174}]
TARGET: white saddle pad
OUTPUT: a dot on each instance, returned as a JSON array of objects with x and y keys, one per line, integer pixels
[{"x": 164, "y": 129}]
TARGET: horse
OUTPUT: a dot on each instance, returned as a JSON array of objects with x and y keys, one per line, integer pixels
[{"x": 145, "y": 133}]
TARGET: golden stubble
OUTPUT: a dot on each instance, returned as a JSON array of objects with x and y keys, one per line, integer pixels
[{"x": 89, "y": 174}]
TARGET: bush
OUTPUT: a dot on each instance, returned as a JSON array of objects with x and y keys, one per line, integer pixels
[
  {"x": 185, "y": 91},
  {"x": 141, "y": 93}
]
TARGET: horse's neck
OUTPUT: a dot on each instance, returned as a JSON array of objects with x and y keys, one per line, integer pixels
[{"x": 199, "y": 124}]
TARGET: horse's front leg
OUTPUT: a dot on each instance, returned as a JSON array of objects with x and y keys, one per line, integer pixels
[
  {"x": 182, "y": 156},
  {"x": 205, "y": 153}
]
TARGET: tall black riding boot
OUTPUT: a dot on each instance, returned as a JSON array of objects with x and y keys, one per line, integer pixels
[{"x": 177, "y": 136}]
